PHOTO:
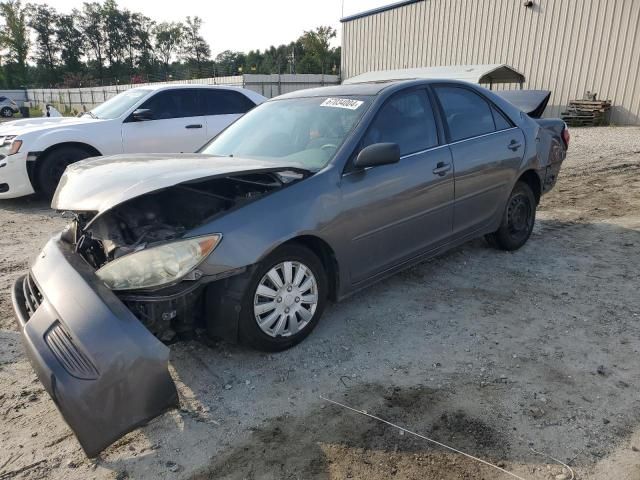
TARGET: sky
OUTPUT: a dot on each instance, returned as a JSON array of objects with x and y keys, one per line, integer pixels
[{"x": 245, "y": 24}]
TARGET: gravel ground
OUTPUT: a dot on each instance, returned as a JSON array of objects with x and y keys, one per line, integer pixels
[{"x": 493, "y": 353}]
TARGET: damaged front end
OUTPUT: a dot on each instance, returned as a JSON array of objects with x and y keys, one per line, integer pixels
[
  {"x": 172, "y": 306},
  {"x": 103, "y": 296}
]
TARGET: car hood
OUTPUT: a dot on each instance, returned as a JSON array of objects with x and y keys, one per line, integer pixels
[
  {"x": 99, "y": 184},
  {"x": 27, "y": 125}
]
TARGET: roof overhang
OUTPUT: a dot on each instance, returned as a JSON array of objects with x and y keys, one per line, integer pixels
[
  {"x": 374, "y": 11},
  {"x": 485, "y": 74}
]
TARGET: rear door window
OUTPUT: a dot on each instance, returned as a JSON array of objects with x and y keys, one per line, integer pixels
[
  {"x": 500, "y": 120},
  {"x": 467, "y": 114},
  {"x": 178, "y": 103},
  {"x": 225, "y": 102},
  {"x": 407, "y": 119}
]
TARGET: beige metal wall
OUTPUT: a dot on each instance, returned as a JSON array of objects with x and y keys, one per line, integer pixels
[{"x": 567, "y": 46}]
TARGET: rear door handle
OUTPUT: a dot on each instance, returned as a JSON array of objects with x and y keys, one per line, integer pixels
[
  {"x": 514, "y": 145},
  {"x": 442, "y": 169},
  {"x": 195, "y": 125}
]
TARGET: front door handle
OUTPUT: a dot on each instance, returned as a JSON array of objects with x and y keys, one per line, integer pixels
[
  {"x": 195, "y": 125},
  {"x": 442, "y": 168},
  {"x": 514, "y": 145}
]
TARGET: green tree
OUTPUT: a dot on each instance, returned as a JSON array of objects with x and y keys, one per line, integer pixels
[
  {"x": 115, "y": 25},
  {"x": 71, "y": 42},
  {"x": 195, "y": 48},
  {"x": 229, "y": 63},
  {"x": 137, "y": 38},
  {"x": 43, "y": 20},
  {"x": 168, "y": 42},
  {"x": 317, "y": 51},
  {"x": 14, "y": 42},
  {"x": 92, "y": 25}
]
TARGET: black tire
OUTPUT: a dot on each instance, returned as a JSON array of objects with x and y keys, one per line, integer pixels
[
  {"x": 52, "y": 165},
  {"x": 250, "y": 332},
  {"x": 6, "y": 112},
  {"x": 517, "y": 220}
]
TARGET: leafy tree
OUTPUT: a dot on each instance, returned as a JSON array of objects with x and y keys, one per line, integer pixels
[
  {"x": 115, "y": 24},
  {"x": 137, "y": 37},
  {"x": 317, "y": 52},
  {"x": 92, "y": 26},
  {"x": 71, "y": 42},
  {"x": 195, "y": 49},
  {"x": 229, "y": 63},
  {"x": 168, "y": 41},
  {"x": 14, "y": 41},
  {"x": 43, "y": 20}
]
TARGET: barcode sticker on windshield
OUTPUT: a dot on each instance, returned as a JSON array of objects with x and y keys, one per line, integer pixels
[{"x": 342, "y": 103}]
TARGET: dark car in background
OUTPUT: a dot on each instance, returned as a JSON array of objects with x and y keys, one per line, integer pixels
[{"x": 309, "y": 197}]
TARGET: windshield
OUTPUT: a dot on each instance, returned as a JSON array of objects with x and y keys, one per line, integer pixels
[
  {"x": 116, "y": 106},
  {"x": 306, "y": 131}
]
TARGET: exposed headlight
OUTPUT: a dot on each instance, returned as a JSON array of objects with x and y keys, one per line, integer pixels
[
  {"x": 157, "y": 266},
  {"x": 10, "y": 145}
]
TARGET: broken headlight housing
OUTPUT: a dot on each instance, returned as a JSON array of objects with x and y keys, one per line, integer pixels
[{"x": 157, "y": 266}]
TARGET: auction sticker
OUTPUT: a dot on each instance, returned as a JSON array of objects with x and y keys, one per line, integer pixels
[{"x": 342, "y": 103}]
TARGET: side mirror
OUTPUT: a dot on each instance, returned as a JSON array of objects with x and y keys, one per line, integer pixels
[
  {"x": 142, "y": 115},
  {"x": 378, "y": 154}
]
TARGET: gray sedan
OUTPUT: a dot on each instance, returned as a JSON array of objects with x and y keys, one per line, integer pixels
[{"x": 308, "y": 198}]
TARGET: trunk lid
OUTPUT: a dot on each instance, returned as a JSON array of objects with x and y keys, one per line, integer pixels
[{"x": 531, "y": 102}]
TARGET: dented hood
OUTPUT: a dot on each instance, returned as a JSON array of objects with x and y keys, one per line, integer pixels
[{"x": 99, "y": 184}]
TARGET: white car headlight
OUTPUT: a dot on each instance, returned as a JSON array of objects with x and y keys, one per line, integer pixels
[
  {"x": 157, "y": 266},
  {"x": 9, "y": 145}
]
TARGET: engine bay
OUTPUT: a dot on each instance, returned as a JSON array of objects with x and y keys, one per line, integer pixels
[{"x": 167, "y": 214}]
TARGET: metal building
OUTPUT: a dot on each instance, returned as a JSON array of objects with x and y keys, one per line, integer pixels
[{"x": 566, "y": 46}]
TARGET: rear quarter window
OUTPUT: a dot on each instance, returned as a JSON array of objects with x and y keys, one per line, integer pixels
[
  {"x": 502, "y": 123},
  {"x": 225, "y": 102}
]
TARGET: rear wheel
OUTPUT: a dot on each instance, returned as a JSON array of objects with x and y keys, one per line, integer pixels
[
  {"x": 284, "y": 300},
  {"x": 517, "y": 221},
  {"x": 53, "y": 164},
  {"x": 6, "y": 112}
]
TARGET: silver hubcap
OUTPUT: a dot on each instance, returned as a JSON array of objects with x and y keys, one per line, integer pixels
[{"x": 286, "y": 299}]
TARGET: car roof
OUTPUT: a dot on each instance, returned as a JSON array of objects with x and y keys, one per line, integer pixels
[
  {"x": 252, "y": 95},
  {"x": 365, "y": 88},
  {"x": 164, "y": 86}
]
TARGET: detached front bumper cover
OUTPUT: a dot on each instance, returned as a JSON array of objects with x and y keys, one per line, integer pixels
[{"x": 104, "y": 370}]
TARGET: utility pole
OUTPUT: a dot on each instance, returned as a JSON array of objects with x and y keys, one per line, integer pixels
[{"x": 292, "y": 60}]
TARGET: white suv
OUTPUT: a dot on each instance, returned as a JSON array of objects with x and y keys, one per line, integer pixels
[{"x": 152, "y": 119}]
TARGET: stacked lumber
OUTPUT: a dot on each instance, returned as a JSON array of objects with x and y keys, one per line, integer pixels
[{"x": 587, "y": 113}]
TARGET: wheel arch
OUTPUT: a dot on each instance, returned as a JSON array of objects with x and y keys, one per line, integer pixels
[
  {"x": 531, "y": 178},
  {"x": 326, "y": 255},
  {"x": 32, "y": 167}
]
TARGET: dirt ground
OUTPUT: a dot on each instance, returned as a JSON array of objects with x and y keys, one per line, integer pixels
[{"x": 492, "y": 353}]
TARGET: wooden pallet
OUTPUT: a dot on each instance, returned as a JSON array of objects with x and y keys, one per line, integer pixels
[{"x": 582, "y": 113}]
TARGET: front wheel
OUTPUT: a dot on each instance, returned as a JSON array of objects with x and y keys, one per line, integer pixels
[
  {"x": 517, "y": 221},
  {"x": 53, "y": 165},
  {"x": 284, "y": 300},
  {"x": 6, "y": 112}
]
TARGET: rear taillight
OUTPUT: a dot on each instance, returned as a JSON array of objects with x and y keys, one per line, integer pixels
[{"x": 566, "y": 136}]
